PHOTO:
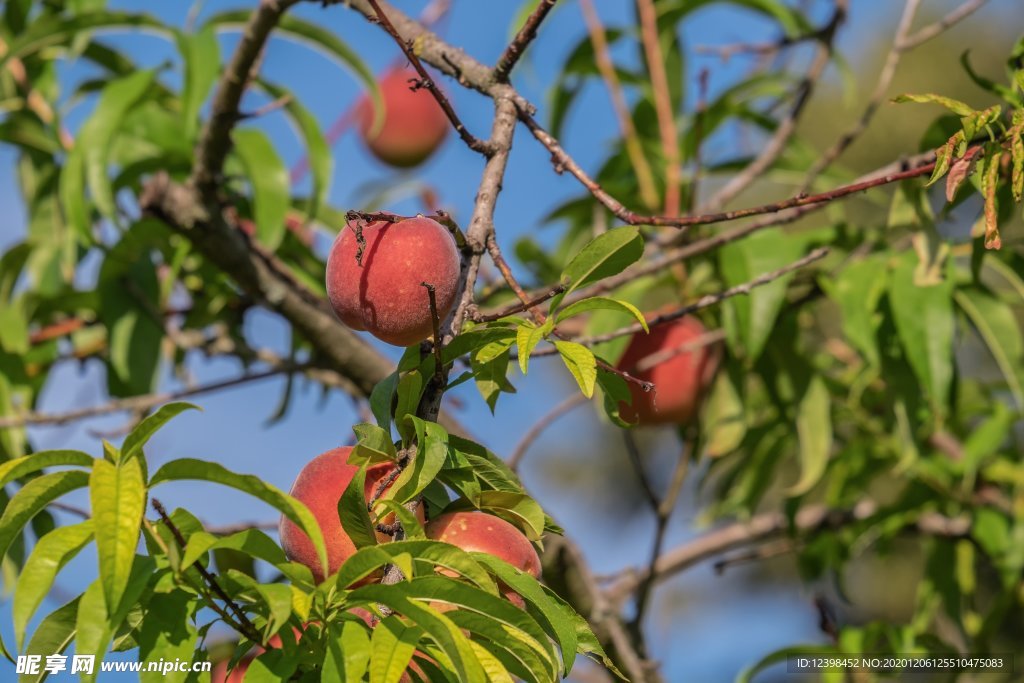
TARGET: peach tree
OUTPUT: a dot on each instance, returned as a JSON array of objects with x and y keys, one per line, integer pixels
[{"x": 816, "y": 355}]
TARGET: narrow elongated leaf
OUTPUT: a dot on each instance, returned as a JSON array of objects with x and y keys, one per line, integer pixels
[
  {"x": 200, "y": 470},
  {"x": 355, "y": 518},
  {"x": 167, "y": 633},
  {"x": 998, "y": 327},
  {"x": 602, "y": 303},
  {"x": 19, "y": 467},
  {"x": 750, "y": 319},
  {"x": 118, "y": 497},
  {"x": 581, "y": 363},
  {"x": 140, "y": 436},
  {"x": 315, "y": 36},
  {"x": 431, "y": 453},
  {"x": 924, "y": 323},
  {"x": 318, "y": 151},
  {"x": 857, "y": 289},
  {"x": 268, "y": 179},
  {"x": 607, "y": 254},
  {"x": 527, "y": 338},
  {"x": 427, "y": 557},
  {"x": 252, "y": 542},
  {"x": 51, "y": 553},
  {"x": 200, "y": 52},
  {"x": 348, "y": 652},
  {"x": 53, "y": 635},
  {"x": 814, "y": 429},
  {"x": 391, "y": 648},
  {"x": 956, "y": 106},
  {"x": 32, "y": 498}
]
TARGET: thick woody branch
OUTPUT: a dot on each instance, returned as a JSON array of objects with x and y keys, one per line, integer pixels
[
  {"x": 215, "y": 142},
  {"x": 510, "y": 57}
]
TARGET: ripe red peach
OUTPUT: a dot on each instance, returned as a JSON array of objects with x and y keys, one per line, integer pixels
[
  {"x": 413, "y": 124},
  {"x": 680, "y": 378},
  {"x": 476, "y": 531},
  {"x": 320, "y": 485},
  {"x": 377, "y": 286}
]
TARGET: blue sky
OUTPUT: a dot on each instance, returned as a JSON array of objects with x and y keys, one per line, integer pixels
[{"x": 699, "y": 639}]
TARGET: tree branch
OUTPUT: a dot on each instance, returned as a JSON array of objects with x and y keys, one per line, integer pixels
[
  {"x": 215, "y": 142},
  {"x": 928, "y": 32},
  {"x": 428, "y": 83},
  {"x": 510, "y": 57},
  {"x": 770, "y": 525}
]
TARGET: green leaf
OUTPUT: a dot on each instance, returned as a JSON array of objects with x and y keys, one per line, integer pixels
[
  {"x": 615, "y": 392},
  {"x": 602, "y": 303},
  {"x": 997, "y": 325},
  {"x": 118, "y": 497},
  {"x": 427, "y": 556},
  {"x": 316, "y": 36},
  {"x": 200, "y": 52},
  {"x": 581, "y": 362},
  {"x": 53, "y": 635},
  {"x": 380, "y": 400},
  {"x": 607, "y": 254},
  {"x": 528, "y": 336},
  {"x": 373, "y": 444},
  {"x": 348, "y": 652},
  {"x": 19, "y": 467},
  {"x": 268, "y": 179},
  {"x": 750, "y": 319},
  {"x": 32, "y": 498},
  {"x": 857, "y": 290},
  {"x": 437, "y": 627},
  {"x": 52, "y": 552},
  {"x": 515, "y": 507},
  {"x": 924, "y": 323},
  {"x": 955, "y": 106},
  {"x": 410, "y": 389},
  {"x": 188, "y": 469},
  {"x": 92, "y": 149},
  {"x": 431, "y": 453},
  {"x": 490, "y": 370},
  {"x": 167, "y": 634},
  {"x": 747, "y": 675},
  {"x": 318, "y": 151},
  {"x": 724, "y": 420},
  {"x": 355, "y": 518},
  {"x": 142, "y": 433},
  {"x": 814, "y": 430},
  {"x": 252, "y": 542},
  {"x": 391, "y": 648},
  {"x": 557, "y": 617}
]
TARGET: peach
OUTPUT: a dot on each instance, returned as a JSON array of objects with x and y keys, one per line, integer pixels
[
  {"x": 680, "y": 378},
  {"x": 475, "y": 531},
  {"x": 413, "y": 124},
  {"x": 377, "y": 286},
  {"x": 320, "y": 485}
]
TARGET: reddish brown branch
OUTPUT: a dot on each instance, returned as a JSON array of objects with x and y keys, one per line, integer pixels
[
  {"x": 519, "y": 307},
  {"x": 427, "y": 82},
  {"x": 510, "y": 57}
]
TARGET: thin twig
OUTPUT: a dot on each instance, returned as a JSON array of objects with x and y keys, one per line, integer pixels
[
  {"x": 512, "y": 309},
  {"x": 928, "y": 32},
  {"x": 885, "y": 77},
  {"x": 428, "y": 83},
  {"x": 784, "y": 131},
  {"x": 668, "y": 132},
  {"x": 538, "y": 427},
  {"x": 436, "y": 322},
  {"x": 764, "y": 552},
  {"x": 701, "y": 303},
  {"x": 606, "y": 67},
  {"x": 562, "y": 161},
  {"x": 136, "y": 403},
  {"x": 249, "y": 629},
  {"x": 510, "y": 57},
  {"x": 506, "y": 272}
]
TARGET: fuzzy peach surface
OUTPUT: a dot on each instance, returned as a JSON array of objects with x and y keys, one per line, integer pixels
[{"x": 380, "y": 289}]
